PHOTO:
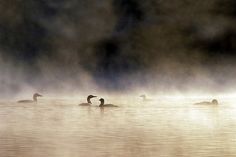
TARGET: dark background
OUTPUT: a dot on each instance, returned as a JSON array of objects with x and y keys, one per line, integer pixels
[{"x": 117, "y": 45}]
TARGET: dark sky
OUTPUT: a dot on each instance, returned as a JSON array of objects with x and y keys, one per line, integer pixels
[{"x": 116, "y": 43}]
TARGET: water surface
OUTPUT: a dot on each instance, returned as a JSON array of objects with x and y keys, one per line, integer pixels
[{"x": 61, "y": 128}]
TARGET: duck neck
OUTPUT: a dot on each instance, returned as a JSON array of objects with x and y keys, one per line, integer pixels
[
  {"x": 35, "y": 98},
  {"x": 102, "y": 103},
  {"x": 88, "y": 100}
]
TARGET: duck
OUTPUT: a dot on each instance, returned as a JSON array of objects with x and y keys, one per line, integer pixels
[
  {"x": 35, "y": 96},
  {"x": 105, "y": 105},
  {"x": 88, "y": 103},
  {"x": 145, "y": 98},
  {"x": 213, "y": 102}
]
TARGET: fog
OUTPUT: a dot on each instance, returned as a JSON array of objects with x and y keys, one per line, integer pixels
[{"x": 117, "y": 47}]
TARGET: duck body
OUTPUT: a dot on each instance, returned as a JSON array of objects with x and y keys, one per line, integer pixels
[
  {"x": 85, "y": 104},
  {"x": 35, "y": 99},
  {"x": 213, "y": 102},
  {"x": 26, "y": 101},
  {"x": 88, "y": 103},
  {"x": 145, "y": 99},
  {"x": 106, "y": 105}
]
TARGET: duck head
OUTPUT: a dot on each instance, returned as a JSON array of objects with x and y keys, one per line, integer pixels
[
  {"x": 36, "y": 95},
  {"x": 102, "y": 101},
  {"x": 90, "y": 97},
  {"x": 143, "y": 96},
  {"x": 214, "y": 101}
]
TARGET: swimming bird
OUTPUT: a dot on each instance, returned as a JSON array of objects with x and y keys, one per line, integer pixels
[
  {"x": 105, "y": 105},
  {"x": 35, "y": 96},
  {"x": 213, "y": 102},
  {"x": 145, "y": 98},
  {"x": 88, "y": 101}
]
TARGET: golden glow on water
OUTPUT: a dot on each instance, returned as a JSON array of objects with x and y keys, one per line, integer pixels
[{"x": 163, "y": 127}]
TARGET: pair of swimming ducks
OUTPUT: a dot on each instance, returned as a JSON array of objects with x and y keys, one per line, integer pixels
[{"x": 102, "y": 104}]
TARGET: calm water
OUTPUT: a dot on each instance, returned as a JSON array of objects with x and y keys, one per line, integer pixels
[{"x": 60, "y": 128}]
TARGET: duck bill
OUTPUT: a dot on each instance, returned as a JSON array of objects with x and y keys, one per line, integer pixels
[{"x": 94, "y": 96}]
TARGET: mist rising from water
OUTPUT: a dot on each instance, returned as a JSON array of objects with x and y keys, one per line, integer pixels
[{"x": 116, "y": 46}]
